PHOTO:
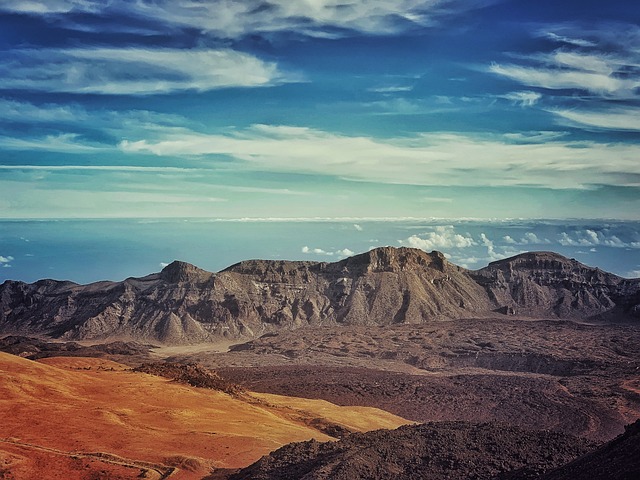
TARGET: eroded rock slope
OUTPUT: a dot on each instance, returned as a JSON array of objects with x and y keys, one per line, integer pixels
[{"x": 184, "y": 304}]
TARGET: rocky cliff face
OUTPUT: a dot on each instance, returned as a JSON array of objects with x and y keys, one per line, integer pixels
[
  {"x": 550, "y": 285},
  {"x": 184, "y": 304}
]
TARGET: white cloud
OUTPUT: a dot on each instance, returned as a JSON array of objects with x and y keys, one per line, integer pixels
[
  {"x": 73, "y": 121},
  {"x": 29, "y": 112},
  {"x": 104, "y": 168},
  {"x": 425, "y": 159},
  {"x": 234, "y": 19},
  {"x": 593, "y": 238},
  {"x": 539, "y": 136},
  {"x": 529, "y": 238},
  {"x": 557, "y": 79},
  {"x": 477, "y": 258},
  {"x": 345, "y": 252},
  {"x": 49, "y": 6},
  {"x": 6, "y": 259},
  {"x": 135, "y": 71},
  {"x": 492, "y": 255},
  {"x": 524, "y": 99},
  {"x": 357, "y": 227},
  {"x": 442, "y": 237},
  {"x": 65, "y": 143},
  {"x": 391, "y": 89},
  {"x": 436, "y": 199},
  {"x": 568, "y": 40},
  {"x": 603, "y": 61},
  {"x": 69, "y": 115},
  {"x": 614, "y": 119}
]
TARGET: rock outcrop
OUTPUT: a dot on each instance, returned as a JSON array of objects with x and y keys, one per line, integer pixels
[
  {"x": 184, "y": 304},
  {"x": 545, "y": 284},
  {"x": 446, "y": 450},
  {"x": 618, "y": 459}
]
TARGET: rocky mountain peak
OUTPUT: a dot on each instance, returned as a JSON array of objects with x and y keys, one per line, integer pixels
[
  {"x": 392, "y": 259},
  {"x": 182, "y": 272},
  {"x": 538, "y": 261},
  {"x": 268, "y": 267},
  {"x": 183, "y": 303}
]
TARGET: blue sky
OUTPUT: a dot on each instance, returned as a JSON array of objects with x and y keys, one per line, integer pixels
[
  {"x": 91, "y": 250},
  {"x": 396, "y": 116},
  {"x": 319, "y": 108}
]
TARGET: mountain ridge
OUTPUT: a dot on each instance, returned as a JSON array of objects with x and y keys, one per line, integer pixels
[{"x": 185, "y": 304}]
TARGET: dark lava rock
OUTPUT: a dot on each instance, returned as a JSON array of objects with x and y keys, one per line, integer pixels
[
  {"x": 190, "y": 374},
  {"x": 437, "y": 451},
  {"x": 34, "y": 348},
  {"x": 618, "y": 459}
]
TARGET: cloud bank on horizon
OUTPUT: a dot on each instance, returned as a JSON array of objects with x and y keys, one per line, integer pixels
[{"x": 394, "y": 108}]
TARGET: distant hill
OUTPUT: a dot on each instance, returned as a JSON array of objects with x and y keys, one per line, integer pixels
[{"x": 185, "y": 304}]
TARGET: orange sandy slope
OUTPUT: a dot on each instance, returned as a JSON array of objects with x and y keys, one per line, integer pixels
[{"x": 57, "y": 411}]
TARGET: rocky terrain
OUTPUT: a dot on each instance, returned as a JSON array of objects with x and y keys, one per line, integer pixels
[
  {"x": 190, "y": 374},
  {"x": 452, "y": 451},
  {"x": 560, "y": 375},
  {"x": 515, "y": 369},
  {"x": 34, "y": 348},
  {"x": 386, "y": 286},
  {"x": 618, "y": 459},
  {"x": 440, "y": 451}
]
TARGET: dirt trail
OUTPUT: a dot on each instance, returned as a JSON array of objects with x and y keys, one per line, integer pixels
[{"x": 148, "y": 470}]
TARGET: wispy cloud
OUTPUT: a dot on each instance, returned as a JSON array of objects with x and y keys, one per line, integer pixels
[
  {"x": 623, "y": 119},
  {"x": 557, "y": 79},
  {"x": 391, "y": 89},
  {"x": 524, "y": 99},
  {"x": 426, "y": 159},
  {"x": 104, "y": 168},
  {"x": 45, "y": 7},
  {"x": 135, "y": 71},
  {"x": 75, "y": 114},
  {"x": 596, "y": 61},
  {"x": 227, "y": 19},
  {"x": 28, "y": 112},
  {"x": 578, "y": 42},
  {"x": 64, "y": 143}
]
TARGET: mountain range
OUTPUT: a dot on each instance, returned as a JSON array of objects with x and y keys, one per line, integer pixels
[{"x": 184, "y": 304}]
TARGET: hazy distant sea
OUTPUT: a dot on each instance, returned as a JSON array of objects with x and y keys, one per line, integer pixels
[{"x": 90, "y": 250}]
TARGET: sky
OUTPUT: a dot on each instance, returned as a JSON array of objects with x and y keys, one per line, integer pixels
[{"x": 320, "y": 110}]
